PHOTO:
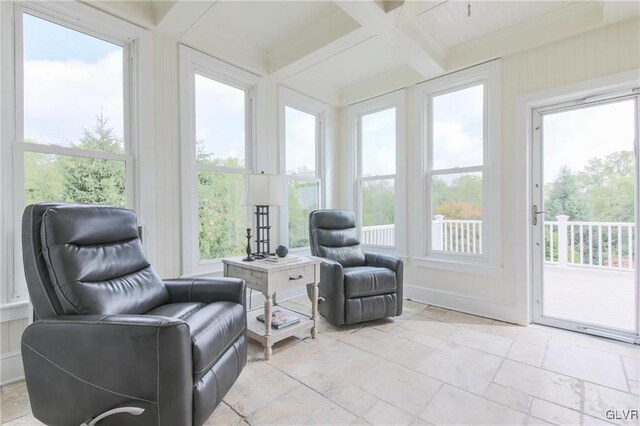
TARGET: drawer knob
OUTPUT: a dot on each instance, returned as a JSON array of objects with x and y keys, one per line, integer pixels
[{"x": 299, "y": 277}]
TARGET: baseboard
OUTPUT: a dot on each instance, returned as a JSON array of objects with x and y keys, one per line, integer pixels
[
  {"x": 11, "y": 369},
  {"x": 463, "y": 303}
]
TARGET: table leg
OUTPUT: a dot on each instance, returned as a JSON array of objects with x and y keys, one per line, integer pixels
[
  {"x": 314, "y": 306},
  {"x": 268, "y": 305}
]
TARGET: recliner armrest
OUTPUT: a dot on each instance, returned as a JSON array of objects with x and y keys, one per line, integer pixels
[
  {"x": 383, "y": 261},
  {"x": 206, "y": 290},
  {"x": 97, "y": 362}
]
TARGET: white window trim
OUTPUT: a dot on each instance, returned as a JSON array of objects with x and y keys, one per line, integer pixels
[
  {"x": 291, "y": 98},
  {"x": 192, "y": 61},
  {"x": 137, "y": 97},
  {"x": 355, "y": 112},
  {"x": 490, "y": 262}
]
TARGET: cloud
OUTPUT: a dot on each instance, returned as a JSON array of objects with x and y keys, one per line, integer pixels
[{"x": 61, "y": 98}]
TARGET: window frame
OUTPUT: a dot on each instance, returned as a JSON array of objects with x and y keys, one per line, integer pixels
[
  {"x": 135, "y": 42},
  {"x": 355, "y": 112},
  {"x": 293, "y": 99},
  {"x": 489, "y": 262},
  {"x": 193, "y": 62}
]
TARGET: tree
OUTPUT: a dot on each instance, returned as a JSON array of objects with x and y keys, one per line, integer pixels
[
  {"x": 565, "y": 198},
  {"x": 94, "y": 180},
  {"x": 460, "y": 199}
]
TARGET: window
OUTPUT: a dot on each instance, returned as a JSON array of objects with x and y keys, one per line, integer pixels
[
  {"x": 462, "y": 180},
  {"x": 379, "y": 125},
  {"x": 303, "y": 132},
  {"x": 217, "y": 122},
  {"x": 71, "y": 127},
  {"x": 68, "y": 91}
]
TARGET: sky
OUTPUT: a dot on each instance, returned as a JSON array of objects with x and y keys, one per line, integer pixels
[
  {"x": 300, "y": 136},
  {"x": 69, "y": 79},
  {"x": 572, "y": 138},
  {"x": 379, "y": 143}
]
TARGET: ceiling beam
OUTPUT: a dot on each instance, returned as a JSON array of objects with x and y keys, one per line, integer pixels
[
  {"x": 181, "y": 16},
  {"x": 368, "y": 14}
]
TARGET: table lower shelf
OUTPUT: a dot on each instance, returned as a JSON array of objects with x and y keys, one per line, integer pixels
[{"x": 256, "y": 329}]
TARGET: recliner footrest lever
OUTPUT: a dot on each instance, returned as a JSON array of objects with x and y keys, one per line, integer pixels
[{"x": 135, "y": 411}]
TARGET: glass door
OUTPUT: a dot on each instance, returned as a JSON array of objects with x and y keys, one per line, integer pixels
[{"x": 584, "y": 217}]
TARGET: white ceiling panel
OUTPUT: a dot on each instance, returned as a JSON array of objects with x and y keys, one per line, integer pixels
[
  {"x": 358, "y": 63},
  {"x": 449, "y": 24},
  {"x": 263, "y": 24}
]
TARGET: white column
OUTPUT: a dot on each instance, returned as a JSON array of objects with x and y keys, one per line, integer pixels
[
  {"x": 437, "y": 230},
  {"x": 562, "y": 240}
]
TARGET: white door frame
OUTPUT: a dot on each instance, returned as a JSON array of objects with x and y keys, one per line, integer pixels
[{"x": 536, "y": 195}]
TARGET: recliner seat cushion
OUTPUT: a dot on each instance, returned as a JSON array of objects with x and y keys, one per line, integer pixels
[
  {"x": 214, "y": 328},
  {"x": 177, "y": 310},
  {"x": 96, "y": 262},
  {"x": 363, "y": 281}
]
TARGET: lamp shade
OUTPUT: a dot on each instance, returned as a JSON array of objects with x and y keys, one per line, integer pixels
[{"x": 262, "y": 190}]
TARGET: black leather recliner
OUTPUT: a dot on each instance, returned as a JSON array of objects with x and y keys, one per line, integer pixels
[
  {"x": 354, "y": 286},
  {"x": 111, "y": 334}
]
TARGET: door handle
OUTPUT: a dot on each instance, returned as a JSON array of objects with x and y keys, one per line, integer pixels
[{"x": 535, "y": 214}]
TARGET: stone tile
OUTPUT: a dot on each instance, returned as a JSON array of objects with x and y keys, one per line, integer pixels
[
  {"x": 403, "y": 332},
  {"x": 553, "y": 413},
  {"x": 386, "y": 324},
  {"x": 423, "y": 339},
  {"x": 453, "y": 405},
  {"x": 527, "y": 353},
  {"x": 399, "y": 386},
  {"x": 410, "y": 308},
  {"x": 27, "y": 420},
  {"x": 301, "y": 406},
  {"x": 408, "y": 354},
  {"x": 15, "y": 401},
  {"x": 430, "y": 327},
  {"x": 433, "y": 312},
  {"x": 327, "y": 367},
  {"x": 594, "y": 342},
  {"x": 533, "y": 421},
  {"x": 458, "y": 365},
  {"x": 382, "y": 413},
  {"x": 632, "y": 367},
  {"x": 563, "y": 390},
  {"x": 634, "y": 387},
  {"x": 592, "y": 421},
  {"x": 467, "y": 320},
  {"x": 253, "y": 391},
  {"x": 599, "y": 399},
  {"x": 373, "y": 341},
  {"x": 585, "y": 363},
  {"x": 531, "y": 334},
  {"x": 352, "y": 399},
  {"x": 512, "y": 398},
  {"x": 223, "y": 416},
  {"x": 485, "y": 342}
]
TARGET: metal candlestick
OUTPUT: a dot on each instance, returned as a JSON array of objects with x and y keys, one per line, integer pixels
[{"x": 248, "y": 258}]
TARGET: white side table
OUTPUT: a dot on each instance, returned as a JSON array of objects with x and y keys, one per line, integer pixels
[{"x": 269, "y": 278}]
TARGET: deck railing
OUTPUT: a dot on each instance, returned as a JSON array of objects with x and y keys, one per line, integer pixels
[{"x": 608, "y": 245}]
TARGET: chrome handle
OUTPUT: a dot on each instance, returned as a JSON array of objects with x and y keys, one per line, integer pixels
[
  {"x": 299, "y": 277},
  {"x": 535, "y": 214}
]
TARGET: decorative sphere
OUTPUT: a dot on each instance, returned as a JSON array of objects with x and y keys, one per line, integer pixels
[{"x": 282, "y": 251}]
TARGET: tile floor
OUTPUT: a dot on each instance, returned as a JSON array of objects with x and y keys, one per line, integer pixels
[{"x": 430, "y": 366}]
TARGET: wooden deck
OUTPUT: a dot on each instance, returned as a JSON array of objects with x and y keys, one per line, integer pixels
[{"x": 595, "y": 296}]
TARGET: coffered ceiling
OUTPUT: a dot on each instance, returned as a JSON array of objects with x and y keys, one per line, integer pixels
[{"x": 342, "y": 51}]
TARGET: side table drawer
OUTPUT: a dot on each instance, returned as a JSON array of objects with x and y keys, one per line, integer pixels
[
  {"x": 258, "y": 278},
  {"x": 293, "y": 277}
]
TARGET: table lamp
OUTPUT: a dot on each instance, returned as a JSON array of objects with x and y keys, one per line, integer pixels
[{"x": 262, "y": 190}]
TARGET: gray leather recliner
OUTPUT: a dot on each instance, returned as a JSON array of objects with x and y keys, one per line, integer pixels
[
  {"x": 355, "y": 286},
  {"x": 111, "y": 334}
]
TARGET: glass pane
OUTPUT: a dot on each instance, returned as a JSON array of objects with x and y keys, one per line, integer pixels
[
  {"x": 379, "y": 143},
  {"x": 223, "y": 221},
  {"x": 300, "y": 138},
  {"x": 590, "y": 189},
  {"x": 378, "y": 224},
  {"x": 458, "y": 121},
  {"x": 457, "y": 213},
  {"x": 303, "y": 197},
  {"x": 73, "y": 179},
  {"x": 73, "y": 88},
  {"x": 220, "y": 123}
]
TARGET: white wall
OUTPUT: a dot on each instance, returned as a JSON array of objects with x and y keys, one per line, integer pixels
[{"x": 599, "y": 53}]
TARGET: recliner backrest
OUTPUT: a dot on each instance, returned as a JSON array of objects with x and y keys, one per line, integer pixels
[
  {"x": 87, "y": 259},
  {"x": 333, "y": 234}
]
